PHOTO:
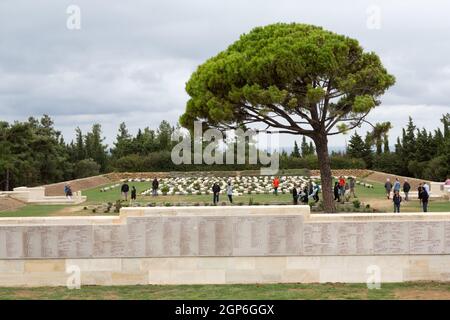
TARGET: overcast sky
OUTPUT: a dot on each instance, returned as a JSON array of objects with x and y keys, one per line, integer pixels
[{"x": 131, "y": 59}]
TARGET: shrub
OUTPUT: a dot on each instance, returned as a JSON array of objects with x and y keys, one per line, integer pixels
[
  {"x": 118, "y": 206},
  {"x": 86, "y": 168},
  {"x": 344, "y": 162},
  {"x": 165, "y": 189},
  {"x": 357, "y": 204}
]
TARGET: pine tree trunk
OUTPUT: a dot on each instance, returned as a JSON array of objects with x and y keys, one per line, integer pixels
[
  {"x": 7, "y": 180},
  {"x": 326, "y": 177}
]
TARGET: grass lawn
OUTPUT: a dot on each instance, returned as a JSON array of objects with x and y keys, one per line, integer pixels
[
  {"x": 33, "y": 211},
  {"x": 408, "y": 290},
  {"x": 373, "y": 196}
]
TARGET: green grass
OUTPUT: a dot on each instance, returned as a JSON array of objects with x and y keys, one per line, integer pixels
[
  {"x": 417, "y": 290},
  {"x": 433, "y": 206},
  {"x": 33, "y": 211},
  {"x": 95, "y": 197},
  {"x": 376, "y": 192}
]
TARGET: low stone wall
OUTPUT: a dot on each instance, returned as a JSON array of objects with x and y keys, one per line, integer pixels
[
  {"x": 186, "y": 245},
  {"x": 223, "y": 270},
  {"x": 57, "y": 189},
  {"x": 37, "y": 195}
]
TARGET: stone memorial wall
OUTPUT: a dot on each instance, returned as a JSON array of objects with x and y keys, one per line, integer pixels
[
  {"x": 156, "y": 232},
  {"x": 224, "y": 245}
]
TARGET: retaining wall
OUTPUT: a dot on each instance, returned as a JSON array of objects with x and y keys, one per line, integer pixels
[{"x": 218, "y": 245}]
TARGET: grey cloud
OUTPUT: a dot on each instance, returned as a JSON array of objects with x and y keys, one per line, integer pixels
[{"x": 130, "y": 61}]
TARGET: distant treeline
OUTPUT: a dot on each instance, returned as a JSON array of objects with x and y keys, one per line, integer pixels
[{"x": 34, "y": 153}]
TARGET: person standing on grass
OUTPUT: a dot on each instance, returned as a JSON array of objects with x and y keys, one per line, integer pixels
[
  {"x": 229, "y": 192},
  {"x": 419, "y": 192},
  {"x": 388, "y": 188},
  {"x": 155, "y": 186},
  {"x": 427, "y": 188},
  {"x": 304, "y": 195},
  {"x": 133, "y": 193},
  {"x": 315, "y": 194},
  {"x": 397, "y": 199},
  {"x": 276, "y": 184},
  {"x": 294, "y": 195},
  {"x": 424, "y": 196},
  {"x": 406, "y": 188},
  {"x": 125, "y": 189},
  {"x": 342, "y": 188},
  {"x": 216, "y": 191},
  {"x": 352, "y": 187},
  {"x": 397, "y": 185},
  {"x": 336, "y": 191}
]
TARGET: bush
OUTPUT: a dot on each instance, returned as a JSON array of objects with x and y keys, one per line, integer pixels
[
  {"x": 345, "y": 162},
  {"x": 86, "y": 168},
  {"x": 165, "y": 189},
  {"x": 118, "y": 206},
  {"x": 357, "y": 204}
]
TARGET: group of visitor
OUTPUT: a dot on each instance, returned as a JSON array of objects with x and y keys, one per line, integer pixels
[
  {"x": 216, "y": 192},
  {"x": 308, "y": 191},
  {"x": 125, "y": 189},
  {"x": 343, "y": 188},
  {"x": 423, "y": 193}
]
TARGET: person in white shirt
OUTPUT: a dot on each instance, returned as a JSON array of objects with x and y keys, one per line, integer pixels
[
  {"x": 230, "y": 192},
  {"x": 427, "y": 188}
]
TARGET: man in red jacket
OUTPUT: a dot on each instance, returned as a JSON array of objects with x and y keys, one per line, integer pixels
[
  {"x": 342, "y": 187},
  {"x": 276, "y": 184}
]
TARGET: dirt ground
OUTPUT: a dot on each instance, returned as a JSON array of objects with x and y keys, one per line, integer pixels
[
  {"x": 415, "y": 294},
  {"x": 381, "y": 177},
  {"x": 9, "y": 204},
  {"x": 57, "y": 189}
]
